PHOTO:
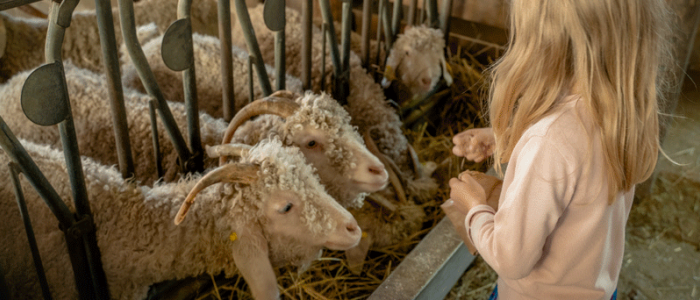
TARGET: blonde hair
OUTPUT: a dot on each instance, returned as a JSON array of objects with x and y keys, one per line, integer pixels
[{"x": 611, "y": 52}]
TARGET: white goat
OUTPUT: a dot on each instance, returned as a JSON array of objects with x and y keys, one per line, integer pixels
[
  {"x": 274, "y": 213},
  {"x": 416, "y": 62},
  {"x": 208, "y": 75}
]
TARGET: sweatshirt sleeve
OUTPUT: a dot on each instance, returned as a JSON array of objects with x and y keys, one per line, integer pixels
[{"x": 511, "y": 241}]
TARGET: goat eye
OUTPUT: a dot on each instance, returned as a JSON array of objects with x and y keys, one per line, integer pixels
[
  {"x": 311, "y": 144},
  {"x": 286, "y": 208}
]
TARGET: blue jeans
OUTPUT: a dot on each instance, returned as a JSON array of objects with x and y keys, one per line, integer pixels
[{"x": 494, "y": 294}]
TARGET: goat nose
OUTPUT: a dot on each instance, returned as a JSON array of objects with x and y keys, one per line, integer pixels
[
  {"x": 352, "y": 226},
  {"x": 376, "y": 169}
]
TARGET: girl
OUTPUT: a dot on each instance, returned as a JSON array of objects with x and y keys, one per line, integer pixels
[{"x": 573, "y": 109}]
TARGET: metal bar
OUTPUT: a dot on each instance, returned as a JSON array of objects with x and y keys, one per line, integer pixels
[
  {"x": 410, "y": 19},
  {"x": 196, "y": 162},
  {"x": 431, "y": 269},
  {"x": 128, "y": 25},
  {"x": 279, "y": 59},
  {"x": 324, "y": 31},
  {"x": 152, "y": 104},
  {"x": 396, "y": 17},
  {"x": 19, "y": 155},
  {"x": 253, "y": 48},
  {"x": 379, "y": 39},
  {"x": 14, "y": 176},
  {"x": 307, "y": 7},
  {"x": 446, "y": 11},
  {"x": 110, "y": 60},
  {"x": 366, "y": 23},
  {"x": 228, "y": 98},
  {"x": 421, "y": 17},
  {"x": 432, "y": 13},
  {"x": 342, "y": 83},
  {"x": 388, "y": 36},
  {"x": 333, "y": 40},
  {"x": 251, "y": 90}
]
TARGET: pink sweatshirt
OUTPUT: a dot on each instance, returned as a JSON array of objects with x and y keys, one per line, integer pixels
[{"x": 554, "y": 235}]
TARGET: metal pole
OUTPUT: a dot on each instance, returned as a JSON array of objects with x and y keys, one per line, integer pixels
[
  {"x": 253, "y": 47},
  {"x": 328, "y": 20},
  {"x": 152, "y": 104},
  {"x": 251, "y": 90},
  {"x": 379, "y": 38},
  {"x": 343, "y": 82},
  {"x": 388, "y": 36},
  {"x": 366, "y": 22},
  {"x": 105, "y": 24},
  {"x": 324, "y": 31},
  {"x": 14, "y": 176},
  {"x": 128, "y": 25},
  {"x": 445, "y": 19},
  {"x": 410, "y": 19},
  {"x": 432, "y": 13},
  {"x": 306, "y": 29},
  {"x": 279, "y": 59},
  {"x": 228, "y": 98},
  {"x": 196, "y": 163},
  {"x": 396, "y": 17},
  {"x": 87, "y": 241}
]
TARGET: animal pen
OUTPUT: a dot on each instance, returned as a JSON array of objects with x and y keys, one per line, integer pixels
[{"x": 437, "y": 255}]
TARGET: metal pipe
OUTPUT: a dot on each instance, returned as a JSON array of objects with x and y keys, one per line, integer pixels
[
  {"x": 105, "y": 24},
  {"x": 279, "y": 59},
  {"x": 410, "y": 19},
  {"x": 432, "y": 13},
  {"x": 366, "y": 23},
  {"x": 196, "y": 162},
  {"x": 324, "y": 31},
  {"x": 128, "y": 25},
  {"x": 152, "y": 104},
  {"x": 396, "y": 17},
  {"x": 253, "y": 48},
  {"x": 306, "y": 30},
  {"x": 14, "y": 176},
  {"x": 251, "y": 90},
  {"x": 446, "y": 11},
  {"x": 388, "y": 36},
  {"x": 379, "y": 39},
  {"x": 328, "y": 20},
  {"x": 228, "y": 98},
  {"x": 342, "y": 86}
]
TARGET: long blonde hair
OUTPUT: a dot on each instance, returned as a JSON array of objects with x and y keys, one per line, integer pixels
[{"x": 611, "y": 52}]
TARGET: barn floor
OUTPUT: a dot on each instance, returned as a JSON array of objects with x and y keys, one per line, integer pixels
[{"x": 662, "y": 251}]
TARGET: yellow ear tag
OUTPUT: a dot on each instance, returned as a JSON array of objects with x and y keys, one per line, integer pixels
[
  {"x": 233, "y": 237},
  {"x": 364, "y": 235},
  {"x": 389, "y": 73}
]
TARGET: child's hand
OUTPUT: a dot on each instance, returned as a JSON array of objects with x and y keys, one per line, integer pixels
[
  {"x": 474, "y": 144},
  {"x": 466, "y": 192}
]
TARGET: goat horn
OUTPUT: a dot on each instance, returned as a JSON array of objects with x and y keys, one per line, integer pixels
[
  {"x": 227, "y": 150},
  {"x": 389, "y": 165},
  {"x": 243, "y": 173},
  {"x": 282, "y": 106},
  {"x": 417, "y": 166}
]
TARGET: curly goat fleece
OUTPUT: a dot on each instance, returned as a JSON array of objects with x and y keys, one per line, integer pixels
[
  {"x": 325, "y": 114},
  {"x": 26, "y": 37},
  {"x": 138, "y": 241},
  {"x": 93, "y": 123},
  {"x": 207, "y": 59}
]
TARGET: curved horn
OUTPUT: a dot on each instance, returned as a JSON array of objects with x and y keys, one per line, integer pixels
[
  {"x": 281, "y": 106},
  {"x": 227, "y": 150},
  {"x": 389, "y": 165},
  {"x": 243, "y": 173}
]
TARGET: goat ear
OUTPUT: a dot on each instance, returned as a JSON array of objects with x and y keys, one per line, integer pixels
[
  {"x": 235, "y": 173},
  {"x": 445, "y": 71},
  {"x": 252, "y": 257},
  {"x": 392, "y": 62},
  {"x": 3, "y": 37}
]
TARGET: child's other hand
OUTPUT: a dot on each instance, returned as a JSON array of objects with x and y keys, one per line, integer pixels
[
  {"x": 466, "y": 192},
  {"x": 474, "y": 144}
]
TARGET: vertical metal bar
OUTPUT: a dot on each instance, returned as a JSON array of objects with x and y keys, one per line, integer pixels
[
  {"x": 253, "y": 48},
  {"x": 396, "y": 17},
  {"x": 279, "y": 59},
  {"x": 251, "y": 90},
  {"x": 306, "y": 31},
  {"x": 105, "y": 24},
  {"x": 152, "y": 104},
  {"x": 380, "y": 14},
  {"x": 333, "y": 40},
  {"x": 128, "y": 25},
  {"x": 229, "y": 103},
  {"x": 445, "y": 19},
  {"x": 343, "y": 82},
  {"x": 388, "y": 37},
  {"x": 410, "y": 19},
  {"x": 432, "y": 13},
  {"x": 366, "y": 23},
  {"x": 14, "y": 172},
  {"x": 324, "y": 31},
  {"x": 86, "y": 249},
  {"x": 196, "y": 163},
  {"x": 423, "y": 12}
]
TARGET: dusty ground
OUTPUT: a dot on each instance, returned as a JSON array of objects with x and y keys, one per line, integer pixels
[{"x": 662, "y": 251}]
